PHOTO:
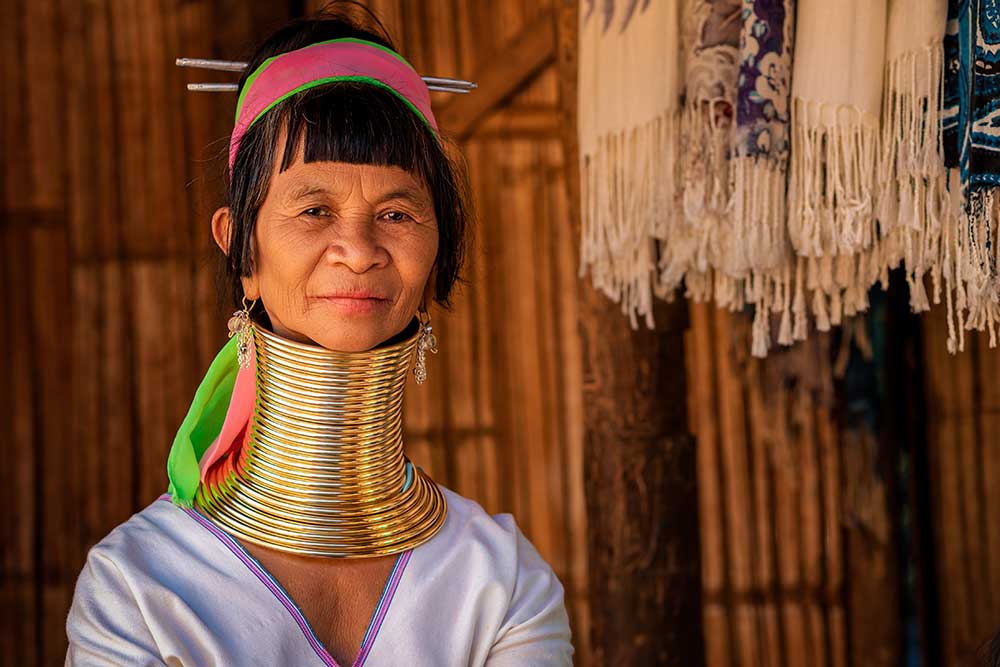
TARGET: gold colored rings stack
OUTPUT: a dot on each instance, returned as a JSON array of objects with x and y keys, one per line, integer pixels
[{"x": 323, "y": 472}]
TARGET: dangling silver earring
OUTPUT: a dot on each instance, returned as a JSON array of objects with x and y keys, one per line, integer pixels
[
  {"x": 241, "y": 325},
  {"x": 426, "y": 342}
]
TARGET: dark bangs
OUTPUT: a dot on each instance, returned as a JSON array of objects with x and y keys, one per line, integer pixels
[{"x": 357, "y": 123}]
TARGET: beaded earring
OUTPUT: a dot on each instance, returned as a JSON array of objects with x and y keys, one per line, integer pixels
[
  {"x": 239, "y": 325},
  {"x": 427, "y": 341}
]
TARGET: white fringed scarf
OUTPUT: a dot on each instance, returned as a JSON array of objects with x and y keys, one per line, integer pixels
[
  {"x": 836, "y": 106},
  {"x": 720, "y": 201},
  {"x": 912, "y": 177},
  {"x": 629, "y": 128}
]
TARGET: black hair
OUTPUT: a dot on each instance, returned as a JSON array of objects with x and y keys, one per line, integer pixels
[
  {"x": 343, "y": 121},
  {"x": 989, "y": 652}
]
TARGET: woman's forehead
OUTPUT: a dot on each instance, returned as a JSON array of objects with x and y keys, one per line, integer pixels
[
  {"x": 341, "y": 180},
  {"x": 345, "y": 176}
]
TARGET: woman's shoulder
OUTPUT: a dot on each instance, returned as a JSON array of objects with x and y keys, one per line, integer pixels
[
  {"x": 159, "y": 527},
  {"x": 486, "y": 546},
  {"x": 154, "y": 548},
  {"x": 467, "y": 524},
  {"x": 482, "y": 569},
  {"x": 140, "y": 571}
]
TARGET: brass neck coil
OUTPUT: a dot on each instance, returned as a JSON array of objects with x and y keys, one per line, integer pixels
[{"x": 323, "y": 471}]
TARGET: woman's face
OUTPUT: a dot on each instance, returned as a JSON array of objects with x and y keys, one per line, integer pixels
[{"x": 343, "y": 252}]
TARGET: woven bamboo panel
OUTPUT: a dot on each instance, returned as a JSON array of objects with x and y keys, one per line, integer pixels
[
  {"x": 769, "y": 484},
  {"x": 112, "y": 171},
  {"x": 963, "y": 434},
  {"x": 102, "y": 245},
  {"x": 800, "y": 501}
]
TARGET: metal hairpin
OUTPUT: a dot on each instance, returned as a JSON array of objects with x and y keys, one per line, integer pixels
[{"x": 442, "y": 84}]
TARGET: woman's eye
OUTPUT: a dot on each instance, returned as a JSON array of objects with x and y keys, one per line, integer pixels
[
  {"x": 315, "y": 211},
  {"x": 396, "y": 216}
]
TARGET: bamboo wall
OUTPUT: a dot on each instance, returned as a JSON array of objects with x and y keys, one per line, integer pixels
[
  {"x": 802, "y": 510},
  {"x": 770, "y": 493},
  {"x": 963, "y": 433},
  {"x": 112, "y": 172},
  {"x": 799, "y": 499}
]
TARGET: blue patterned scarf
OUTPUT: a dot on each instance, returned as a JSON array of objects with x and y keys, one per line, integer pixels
[{"x": 971, "y": 125}]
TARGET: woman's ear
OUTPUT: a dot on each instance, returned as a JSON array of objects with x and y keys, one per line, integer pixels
[
  {"x": 220, "y": 232},
  {"x": 430, "y": 287},
  {"x": 220, "y": 228}
]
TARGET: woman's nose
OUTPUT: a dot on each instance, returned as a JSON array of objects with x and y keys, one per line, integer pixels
[{"x": 356, "y": 245}]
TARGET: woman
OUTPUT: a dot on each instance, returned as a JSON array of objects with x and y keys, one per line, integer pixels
[{"x": 294, "y": 530}]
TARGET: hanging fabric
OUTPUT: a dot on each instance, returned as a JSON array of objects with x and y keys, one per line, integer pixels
[
  {"x": 629, "y": 131},
  {"x": 761, "y": 148},
  {"x": 786, "y": 154},
  {"x": 836, "y": 105},
  {"x": 707, "y": 253},
  {"x": 971, "y": 137}
]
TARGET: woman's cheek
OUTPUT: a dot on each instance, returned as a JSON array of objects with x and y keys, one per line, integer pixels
[
  {"x": 427, "y": 249},
  {"x": 417, "y": 266}
]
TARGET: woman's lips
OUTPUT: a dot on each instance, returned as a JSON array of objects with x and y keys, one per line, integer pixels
[{"x": 354, "y": 304}]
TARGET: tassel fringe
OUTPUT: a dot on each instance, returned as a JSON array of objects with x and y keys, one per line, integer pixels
[
  {"x": 665, "y": 204},
  {"x": 624, "y": 214}
]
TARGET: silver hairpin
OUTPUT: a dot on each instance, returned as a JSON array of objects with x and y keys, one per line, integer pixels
[
  {"x": 214, "y": 87},
  {"x": 442, "y": 84},
  {"x": 206, "y": 63}
]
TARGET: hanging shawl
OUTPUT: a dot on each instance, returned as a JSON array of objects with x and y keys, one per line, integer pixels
[
  {"x": 629, "y": 116},
  {"x": 971, "y": 130},
  {"x": 972, "y": 119},
  {"x": 761, "y": 146},
  {"x": 710, "y": 37},
  {"x": 912, "y": 176},
  {"x": 836, "y": 104}
]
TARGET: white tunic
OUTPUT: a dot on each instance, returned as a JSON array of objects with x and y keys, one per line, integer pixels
[{"x": 168, "y": 587}]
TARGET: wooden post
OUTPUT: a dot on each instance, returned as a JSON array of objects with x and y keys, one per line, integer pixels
[
  {"x": 639, "y": 459},
  {"x": 639, "y": 476}
]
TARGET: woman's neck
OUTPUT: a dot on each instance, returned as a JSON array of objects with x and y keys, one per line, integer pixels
[{"x": 323, "y": 470}]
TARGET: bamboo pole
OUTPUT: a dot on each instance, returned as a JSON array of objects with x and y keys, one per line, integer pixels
[{"x": 639, "y": 460}]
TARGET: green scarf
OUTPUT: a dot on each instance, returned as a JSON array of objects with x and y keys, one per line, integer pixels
[{"x": 201, "y": 425}]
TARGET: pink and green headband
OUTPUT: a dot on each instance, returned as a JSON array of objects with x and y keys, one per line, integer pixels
[{"x": 346, "y": 59}]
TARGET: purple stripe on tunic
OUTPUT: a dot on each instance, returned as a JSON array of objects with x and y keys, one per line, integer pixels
[
  {"x": 271, "y": 585},
  {"x": 383, "y": 609},
  {"x": 369, "y": 631}
]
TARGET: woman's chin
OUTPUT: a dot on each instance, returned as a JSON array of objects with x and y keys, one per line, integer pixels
[
  {"x": 349, "y": 334},
  {"x": 356, "y": 330}
]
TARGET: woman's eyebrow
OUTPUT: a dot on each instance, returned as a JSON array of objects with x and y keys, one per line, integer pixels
[
  {"x": 307, "y": 190},
  {"x": 412, "y": 195}
]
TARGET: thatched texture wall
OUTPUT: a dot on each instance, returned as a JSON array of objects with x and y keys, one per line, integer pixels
[
  {"x": 962, "y": 425},
  {"x": 847, "y": 490},
  {"x": 111, "y": 173}
]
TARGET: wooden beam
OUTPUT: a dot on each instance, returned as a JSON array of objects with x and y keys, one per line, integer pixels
[
  {"x": 639, "y": 459},
  {"x": 533, "y": 49},
  {"x": 522, "y": 123}
]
